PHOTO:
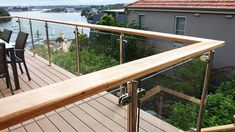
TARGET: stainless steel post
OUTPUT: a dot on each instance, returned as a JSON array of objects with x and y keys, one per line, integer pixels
[
  {"x": 209, "y": 61},
  {"x": 31, "y": 32},
  {"x": 19, "y": 24},
  {"x": 48, "y": 44},
  {"x": 122, "y": 90},
  {"x": 121, "y": 49},
  {"x": 132, "y": 107},
  {"x": 77, "y": 50}
]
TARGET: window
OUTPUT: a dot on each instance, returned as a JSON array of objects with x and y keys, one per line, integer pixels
[
  {"x": 141, "y": 21},
  {"x": 180, "y": 25}
]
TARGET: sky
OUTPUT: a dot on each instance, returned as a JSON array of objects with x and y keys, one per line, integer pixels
[{"x": 60, "y": 2}]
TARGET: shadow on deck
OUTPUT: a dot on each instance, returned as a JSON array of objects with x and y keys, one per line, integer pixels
[{"x": 97, "y": 113}]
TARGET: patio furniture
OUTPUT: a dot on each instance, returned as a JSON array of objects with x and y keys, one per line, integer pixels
[
  {"x": 10, "y": 49},
  {"x": 4, "y": 73},
  {"x": 6, "y": 35},
  {"x": 19, "y": 51}
]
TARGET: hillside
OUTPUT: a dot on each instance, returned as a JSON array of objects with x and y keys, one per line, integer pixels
[{"x": 3, "y": 12}]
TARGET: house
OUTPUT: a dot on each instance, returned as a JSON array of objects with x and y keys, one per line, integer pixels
[
  {"x": 213, "y": 19},
  {"x": 118, "y": 14}
]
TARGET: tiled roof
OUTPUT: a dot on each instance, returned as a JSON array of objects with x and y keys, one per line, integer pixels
[{"x": 185, "y": 4}]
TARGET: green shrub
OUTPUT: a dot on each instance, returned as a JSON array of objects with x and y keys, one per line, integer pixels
[
  {"x": 41, "y": 50},
  {"x": 228, "y": 88},
  {"x": 184, "y": 116},
  {"x": 66, "y": 61},
  {"x": 90, "y": 61},
  {"x": 219, "y": 111}
]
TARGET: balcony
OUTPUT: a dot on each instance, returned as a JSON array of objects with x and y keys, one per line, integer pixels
[
  {"x": 96, "y": 113},
  {"x": 57, "y": 100}
]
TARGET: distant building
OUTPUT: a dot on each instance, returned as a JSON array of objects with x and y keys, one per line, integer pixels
[
  {"x": 70, "y": 10},
  {"x": 118, "y": 14},
  {"x": 203, "y": 18}
]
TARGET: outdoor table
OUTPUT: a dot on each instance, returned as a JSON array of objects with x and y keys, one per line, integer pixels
[{"x": 10, "y": 48}]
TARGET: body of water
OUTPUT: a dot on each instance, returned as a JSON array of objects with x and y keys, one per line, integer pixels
[{"x": 39, "y": 27}]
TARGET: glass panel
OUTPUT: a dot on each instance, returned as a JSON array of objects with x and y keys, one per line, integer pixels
[
  {"x": 39, "y": 35},
  {"x": 173, "y": 94},
  {"x": 11, "y": 25},
  {"x": 99, "y": 50}
]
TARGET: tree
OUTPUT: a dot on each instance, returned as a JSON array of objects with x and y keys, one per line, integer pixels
[
  {"x": 83, "y": 41},
  {"x": 135, "y": 47},
  {"x": 108, "y": 20}
]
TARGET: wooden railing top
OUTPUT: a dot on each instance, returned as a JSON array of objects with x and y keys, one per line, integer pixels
[
  {"x": 148, "y": 34},
  {"x": 228, "y": 127},
  {"x": 27, "y": 105}
]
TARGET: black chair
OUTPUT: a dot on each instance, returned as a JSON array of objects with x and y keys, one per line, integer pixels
[
  {"x": 19, "y": 51},
  {"x": 4, "y": 73},
  {"x": 6, "y": 35}
]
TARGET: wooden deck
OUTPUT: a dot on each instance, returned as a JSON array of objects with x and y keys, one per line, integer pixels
[{"x": 97, "y": 113}]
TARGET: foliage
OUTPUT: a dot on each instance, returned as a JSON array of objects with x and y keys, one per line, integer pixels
[
  {"x": 83, "y": 41},
  {"x": 108, "y": 20},
  {"x": 88, "y": 13},
  {"x": 66, "y": 61},
  {"x": 189, "y": 77},
  {"x": 90, "y": 61},
  {"x": 228, "y": 88},
  {"x": 59, "y": 39},
  {"x": 134, "y": 47},
  {"x": 220, "y": 109},
  {"x": 3, "y": 12},
  {"x": 41, "y": 50},
  {"x": 184, "y": 116}
]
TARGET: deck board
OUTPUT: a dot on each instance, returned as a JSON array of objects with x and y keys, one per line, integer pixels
[{"x": 96, "y": 113}]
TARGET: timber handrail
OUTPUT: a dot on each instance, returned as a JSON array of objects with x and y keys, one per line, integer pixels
[
  {"x": 148, "y": 34},
  {"x": 229, "y": 127},
  {"x": 27, "y": 105}
]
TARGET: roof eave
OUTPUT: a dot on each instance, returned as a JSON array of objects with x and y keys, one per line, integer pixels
[{"x": 198, "y": 10}]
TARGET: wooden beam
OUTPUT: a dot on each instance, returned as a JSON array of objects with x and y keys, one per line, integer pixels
[
  {"x": 150, "y": 93},
  {"x": 181, "y": 95},
  {"x": 153, "y": 91},
  {"x": 21, "y": 107},
  {"x": 219, "y": 128}
]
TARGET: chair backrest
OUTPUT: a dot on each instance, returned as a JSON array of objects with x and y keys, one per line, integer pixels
[
  {"x": 3, "y": 63},
  {"x": 20, "y": 44},
  {"x": 6, "y": 35}
]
